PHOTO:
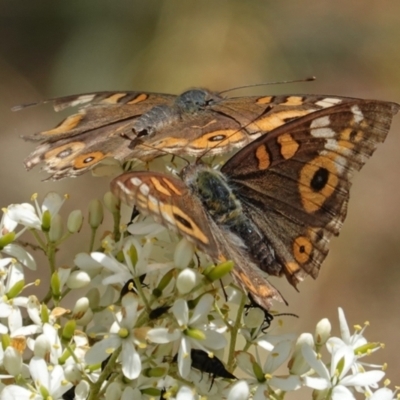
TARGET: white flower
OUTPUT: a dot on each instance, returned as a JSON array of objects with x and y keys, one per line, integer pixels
[
  {"x": 239, "y": 391},
  {"x": 263, "y": 377},
  {"x": 7, "y": 236},
  {"x": 121, "y": 335},
  {"x": 384, "y": 394},
  {"x": 49, "y": 383},
  {"x": 10, "y": 302},
  {"x": 186, "y": 393},
  {"x": 121, "y": 272},
  {"x": 360, "y": 345},
  {"x": 336, "y": 380},
  {"x": 32, "y": 217},
  {"x": 194, "y": 331}
]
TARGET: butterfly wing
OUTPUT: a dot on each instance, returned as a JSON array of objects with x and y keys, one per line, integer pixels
[
  {"x": 229, "y": 123},
  {"x": 141, "y": 125},
  {"x": 172, "y": 204},
  {"x": 97, "y": 110},
  {"x": 294, "y": 183},
  {"x": 100, "y": 129}
]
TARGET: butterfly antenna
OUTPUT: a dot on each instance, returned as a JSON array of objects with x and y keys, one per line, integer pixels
[
  {"x": 310, "y": 79},
  {"x": 286, "y": 314}
]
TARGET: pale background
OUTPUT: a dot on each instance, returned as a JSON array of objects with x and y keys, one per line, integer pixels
[{"x": 55, "y": 48}]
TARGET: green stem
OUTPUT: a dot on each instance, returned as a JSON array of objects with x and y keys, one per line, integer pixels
[
  {"x": 234, "y": 334},
  {"x": 139, "y": 289},
  {"x": 51, "y": 255},
  {"x": 65, "y": 237},
  {"x": 92, "y": 238},
  {"x": 95, "y": 389},
  {"x": 117, "y": 222},
  {"x": 36, "y": 235}
]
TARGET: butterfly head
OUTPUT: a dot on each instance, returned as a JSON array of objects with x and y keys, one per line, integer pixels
[{"x": 196, "y": 99}]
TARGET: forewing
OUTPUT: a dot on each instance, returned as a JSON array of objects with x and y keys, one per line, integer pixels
[
  {"x": 228, "y": 124},
  {"x": 97, "y": 110},
  {"x": 170, "y": 202}
]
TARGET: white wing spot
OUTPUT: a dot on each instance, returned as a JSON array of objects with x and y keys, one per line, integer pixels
[
  {"x": 82, "y": 99},
  {"x": 123, "y": 187},
  {"x": 323, "y": 132},
  {"x": 153, "y": 200},
  {"x": 168, "y": 217},
  {"x": 332, "y": 144},
  {"x": 358, "y": 115},
  {"x": 320, "y": 122},
  {"x": 320, "y": 128},
  {"x": 341, "y": 163},
  {"x": 136, "y": 181},
  {"x": 144, "y": 189},
  {"x": 328, "y": 102}
]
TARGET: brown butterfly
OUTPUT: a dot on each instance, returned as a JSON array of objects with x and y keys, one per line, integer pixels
[
  {"x": 127, "y": 125},
  {"x": 274, "y": 205}
]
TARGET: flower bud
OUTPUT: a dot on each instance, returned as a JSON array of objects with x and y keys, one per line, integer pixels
[
  {"x": 56, "y": 228},
  {"x": 16, "y": 289},
  {"x": 75, "y": 220},
  {"x": 55, "y": 285},
  {"x": 195, "y": 333},
  {"x": 93, "y": 295},
  {"x": 73, "y": 373},
  {"x": 44, "y": 313},
  {"x": 81, "y": 306},
  {"x": 165, "y": 280},
  {"x": 156, "y": 372},
  {"x": 219, "y": 271},
  {"x": 95, "y": 213},
  {"x": 297, "y": 364},
  {"x": 68, "y": 330},
  {"x": 154, "y": 393},
  {"x": 239, "y": 391},
  {"x": 111, "y": 202},
  {"x": 46, "y": 221},
  {"x": 82, "y": 312},
  {"x": 78, "y": 279},
  {"x": 186, "y": 281},
  {"x": 322, "y": 332},
  {"x": 254, "y": 318},
  {"x": 6, "y": 239}
]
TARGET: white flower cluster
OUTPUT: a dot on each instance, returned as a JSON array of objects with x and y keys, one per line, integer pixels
[{"x": 157, "y": 321}]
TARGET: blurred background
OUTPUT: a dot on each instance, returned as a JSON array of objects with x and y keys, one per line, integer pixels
[{"x": 50, "y": 49}]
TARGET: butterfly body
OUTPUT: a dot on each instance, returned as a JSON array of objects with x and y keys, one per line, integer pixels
[
  {"x": 224, "y": 207},
  {"x": 275, "y": 204}
]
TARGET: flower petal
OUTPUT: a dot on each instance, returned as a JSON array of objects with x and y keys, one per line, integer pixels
[
  {"x": 21, "y": 255},
  {"x": 239, "y": 391},
  {"x": 202, "y": 309},
  {"x": 162, "y": 335},
  {"x": 181, "y": 312},
  {"x": 131, "y": 363}
]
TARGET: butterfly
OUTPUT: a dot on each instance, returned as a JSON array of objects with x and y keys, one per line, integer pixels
[
  {"x": 275, "y": 204},
  {"x": 138, "y": 125}
]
